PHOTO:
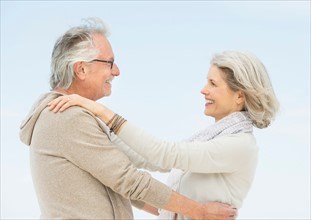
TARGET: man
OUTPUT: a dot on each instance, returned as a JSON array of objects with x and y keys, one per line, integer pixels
[{"x": 78, "y": 171}]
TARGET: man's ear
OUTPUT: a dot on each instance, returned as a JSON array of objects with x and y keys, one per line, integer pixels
[{"x": 79, "y": 69}]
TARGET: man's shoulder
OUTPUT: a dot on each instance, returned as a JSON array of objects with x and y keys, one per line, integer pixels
[
  {"x": 78, "y": 122},
  {"x": 72, "y": 117},
  {"x": 72, "y": 113}
]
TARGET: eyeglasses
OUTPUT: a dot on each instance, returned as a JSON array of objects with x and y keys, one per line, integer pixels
[{"x": 105, "y": 61}]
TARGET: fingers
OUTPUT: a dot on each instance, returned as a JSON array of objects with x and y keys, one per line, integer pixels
[
  {"x": 232, "y": 213},
  {"x": 65, "y": 106},
  {"x": 53, "y": 103},
  {"x": 220, "y": 211},
  {"x": 228, "y": 212},
  {"x": 60, "y": 104}
]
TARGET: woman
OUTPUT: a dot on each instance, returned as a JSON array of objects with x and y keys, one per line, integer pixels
[{"x": 219, "y": 162}]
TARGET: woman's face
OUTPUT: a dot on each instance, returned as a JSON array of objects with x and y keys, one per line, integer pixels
[{"x": 220, "y": 99}]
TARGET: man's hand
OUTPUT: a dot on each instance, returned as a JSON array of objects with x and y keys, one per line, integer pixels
[
  {"x": 208, "y": 211},
  {"x": 216, "y": 211}
]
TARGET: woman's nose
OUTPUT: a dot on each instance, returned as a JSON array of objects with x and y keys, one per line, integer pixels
[{"x": 204, "y": 90}]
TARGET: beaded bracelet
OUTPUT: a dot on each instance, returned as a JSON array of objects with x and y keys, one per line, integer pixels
[
  {"x": 116, "y": 122},
  {"x": 113, "y": 117},
  {"x": 116, "y": 129}
]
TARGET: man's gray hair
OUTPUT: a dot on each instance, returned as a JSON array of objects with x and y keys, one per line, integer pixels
[
  {"x": 74, "y": 46},
  {"x": 244, "y": 71}
]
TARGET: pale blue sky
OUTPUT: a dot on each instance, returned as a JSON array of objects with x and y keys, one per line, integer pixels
[{"x": 163, "y": 51}]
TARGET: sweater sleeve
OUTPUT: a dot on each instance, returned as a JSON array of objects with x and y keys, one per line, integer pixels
[
  {"x": 90, "y": 149},
  {"x": 135, "y": 158},
  {"x": 224, "y": 154},
  {"x": 138, "y": 160}
]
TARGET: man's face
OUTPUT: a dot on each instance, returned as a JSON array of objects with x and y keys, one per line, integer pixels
[{"x": 99, "y": 75}]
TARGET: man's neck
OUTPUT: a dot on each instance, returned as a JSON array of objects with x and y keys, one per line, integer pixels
[
  {"x": 62, "y": 91},
  {"x": 72, "y": 91}
]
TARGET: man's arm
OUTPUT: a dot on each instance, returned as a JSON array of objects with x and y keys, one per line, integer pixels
[
  {"x": 183, "y": 205},
  {"x": 212, "y": 211},
  {"x": 151, "y": 209}
]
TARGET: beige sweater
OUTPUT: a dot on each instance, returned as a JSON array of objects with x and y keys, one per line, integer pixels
[{"x": 78, "y": 173}]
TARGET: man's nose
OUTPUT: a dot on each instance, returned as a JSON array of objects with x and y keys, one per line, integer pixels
[{"x": 115, "y": 70}]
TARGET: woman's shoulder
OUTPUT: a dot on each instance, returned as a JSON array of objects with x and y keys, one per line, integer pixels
[{"x": 239, "y": 140}]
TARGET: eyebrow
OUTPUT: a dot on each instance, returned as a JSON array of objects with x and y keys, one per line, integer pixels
[
  {"x": 109, "y": 59},
  {"x": 212, "y": 79}
]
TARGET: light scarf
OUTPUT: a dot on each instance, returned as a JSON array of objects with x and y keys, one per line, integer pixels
[{"x": 237, "y": 122}]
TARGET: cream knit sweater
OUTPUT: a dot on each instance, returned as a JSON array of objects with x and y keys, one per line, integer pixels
[{"x": 221, "y": 169}]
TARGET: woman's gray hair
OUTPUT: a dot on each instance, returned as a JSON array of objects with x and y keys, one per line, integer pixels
[
  {"x": 245, "y": 72},
  {"x": 75, "y": 45}
]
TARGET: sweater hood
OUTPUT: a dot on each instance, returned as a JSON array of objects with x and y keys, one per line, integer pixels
[{"x": 27, "y": 125}]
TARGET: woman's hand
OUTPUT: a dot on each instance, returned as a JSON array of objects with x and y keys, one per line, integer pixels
[{"x": 63, "y": 102}]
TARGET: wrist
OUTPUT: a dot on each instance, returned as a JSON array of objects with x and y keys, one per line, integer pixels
[
  {"x": 103, "y": 113},
  {"x": 198, "y": 211},
  {"x": 115, "y": 123},
  {"x": 185, "y": 206}
]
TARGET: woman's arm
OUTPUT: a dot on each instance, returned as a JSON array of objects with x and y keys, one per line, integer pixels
[
  {"x": 64, "y": 102},
  {"x": 224, "y": 154},
  {"x": 61, "y": 103},
  {"x": 138, "y": 160}
]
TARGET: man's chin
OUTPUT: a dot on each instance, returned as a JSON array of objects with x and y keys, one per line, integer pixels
[{"x": 106, "y": 94}]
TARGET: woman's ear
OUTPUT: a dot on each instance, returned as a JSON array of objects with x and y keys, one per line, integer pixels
[
  {"x": 79, "y": 69},
  {"x": 240, "y": 98}
]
